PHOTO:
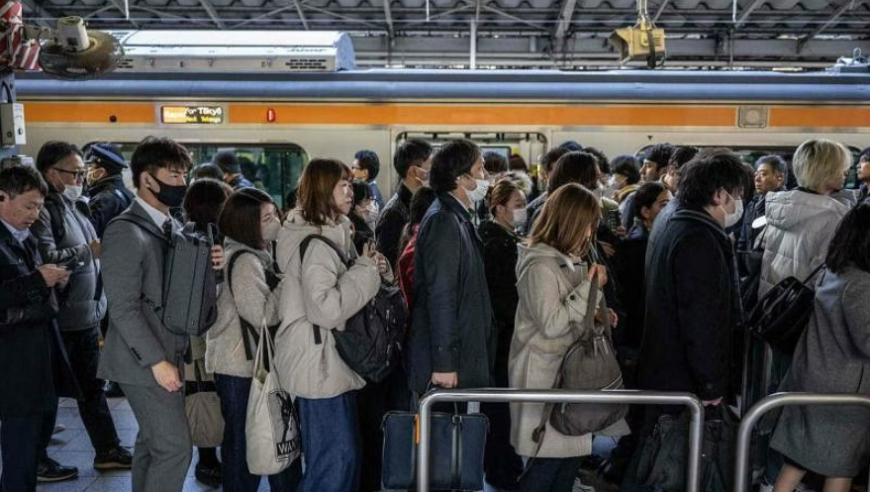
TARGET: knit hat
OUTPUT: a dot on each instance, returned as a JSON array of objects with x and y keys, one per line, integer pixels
[{"x": 228, "y": 162}]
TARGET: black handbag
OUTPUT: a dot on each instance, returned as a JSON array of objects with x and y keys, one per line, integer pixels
[
  {"x": 783, "y": 313},
  {"x": 456, "y": 448}
]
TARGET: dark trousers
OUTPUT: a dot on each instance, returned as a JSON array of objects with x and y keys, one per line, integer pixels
[
  {"x": 550, "y": 475},
  {"x": 330, "y": 444},
  {"x": 83, "y": 350},
  {"x": 22, "y": 442},
  {"x": 233, "y": 392},
  {"x": 501, "y": 463},
  {"x": 373, "y": 402}
]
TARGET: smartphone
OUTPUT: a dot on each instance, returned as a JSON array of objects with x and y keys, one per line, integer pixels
[{"x": 72, "y": 264}]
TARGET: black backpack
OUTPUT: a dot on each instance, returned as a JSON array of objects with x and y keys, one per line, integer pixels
[
  {"x": 372, "y": 338},
  {"x": 782, "y": 315}
]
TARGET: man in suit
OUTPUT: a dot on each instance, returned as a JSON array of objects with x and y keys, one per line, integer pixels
[
  {"x": 28, "y": 397},
  {"x": 139, "y": 353}
]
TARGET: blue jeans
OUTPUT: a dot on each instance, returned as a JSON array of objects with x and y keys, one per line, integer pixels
[
  {"x": 233, "y": 392},
  {"x": 550, "y": 475},
  {"x": 330, "y": 443}
]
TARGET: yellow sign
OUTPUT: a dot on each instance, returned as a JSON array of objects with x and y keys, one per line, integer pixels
[{"x": 192, "y": 115}]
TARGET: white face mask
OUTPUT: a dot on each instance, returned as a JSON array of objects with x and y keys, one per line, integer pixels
[
  {"x": 72, "y": 192},
  {"x": 521, "y": 216},
  {"x": 478, "y": 194},
  {"x": 733, "y": 218},
  {"x": 372, "y": 213},
  {"x": 611, "y": 182},
  {"x": 270, "y": 231}
]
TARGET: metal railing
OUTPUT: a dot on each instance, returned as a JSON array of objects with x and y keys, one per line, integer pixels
[
  {"x": 696, "y": 424},
  {"x": 744, "y": 434}
]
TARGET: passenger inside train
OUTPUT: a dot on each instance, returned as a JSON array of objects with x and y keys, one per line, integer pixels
[{"x": 302, "y": 334}]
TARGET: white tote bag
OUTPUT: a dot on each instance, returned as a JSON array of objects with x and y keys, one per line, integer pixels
[{"x": 271, "y": 425}]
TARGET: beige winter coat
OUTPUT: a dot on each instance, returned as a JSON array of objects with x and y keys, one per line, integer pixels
[
  {"x": 323, "y": 292},
  {"x": 553, "y": 297},
  {"x": 249, "y": 298}
]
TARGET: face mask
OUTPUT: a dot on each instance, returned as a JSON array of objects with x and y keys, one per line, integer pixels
[
  {"x": 94, "y": 175},
  {"x": 732, "y": 219},
  {"x": 171, "y": 196},
  {"x": 520, "y": 217},
  {"x": 478, "y": 194},
  {"x": 371, "y": 213},
  {"x": 270, "y": 231},
  {"x": 72, "y": 192}
]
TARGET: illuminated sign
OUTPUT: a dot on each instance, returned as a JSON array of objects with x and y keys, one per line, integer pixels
[{"x": 192, "y": 115}]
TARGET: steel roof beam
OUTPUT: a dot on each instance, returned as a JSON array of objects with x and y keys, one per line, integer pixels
[
  {"x": 353, "y": 20},
  {"x": 301, "y": 14},
  {"x": 167, "y": 15},
  {"x": 661, "y": 9},
  {"x": 847, "y": 4},
  {"x": 388, "y": 14},
  {"x": 563, "y": 23},
  {"x": 212, "y": 13},
  {"x": 43, "y": 16},
  {"x": 513, "y": 17},
  {"x": 744, "y": 16}
]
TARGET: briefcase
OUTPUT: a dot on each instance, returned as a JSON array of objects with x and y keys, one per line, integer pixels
[{"x": 456, "y": 449}]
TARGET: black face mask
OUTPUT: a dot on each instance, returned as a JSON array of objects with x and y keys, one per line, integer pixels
[{"x": 171, "y": 196}]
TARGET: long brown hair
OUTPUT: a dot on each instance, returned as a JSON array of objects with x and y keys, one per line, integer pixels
[
  {"x": 316, "y": 189},
  {"x": 500, "y": 194},
  {"x": 568, "y": 214}
]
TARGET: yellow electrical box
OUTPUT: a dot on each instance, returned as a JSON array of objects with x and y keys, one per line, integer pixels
[{"x": 633, "y": 43}]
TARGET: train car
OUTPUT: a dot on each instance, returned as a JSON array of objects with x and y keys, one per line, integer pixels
[{"x": 281, "y": 120}]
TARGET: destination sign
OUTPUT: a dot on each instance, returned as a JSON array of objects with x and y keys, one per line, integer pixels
[{"x": 192, "y": 115}]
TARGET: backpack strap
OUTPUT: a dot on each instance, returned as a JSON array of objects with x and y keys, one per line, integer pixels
[
  {"x": 813, "y": 273},
  {"x": 303, "y": 247},
  {"x": 246, "y": 326}
]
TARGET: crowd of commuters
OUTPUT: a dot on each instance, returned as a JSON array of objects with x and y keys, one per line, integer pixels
[{"x": 498, "y": 266}]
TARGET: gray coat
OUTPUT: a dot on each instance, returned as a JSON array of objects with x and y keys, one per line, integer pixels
[
  {"x": 833, "y": 356},
  {"x": 133, "y": 266},
  {"x": 81, "y": 307}
]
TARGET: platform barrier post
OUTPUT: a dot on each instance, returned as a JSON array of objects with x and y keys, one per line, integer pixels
[
  {"x": 744, "y": 433},
  {"x": 696, "y": 410}
]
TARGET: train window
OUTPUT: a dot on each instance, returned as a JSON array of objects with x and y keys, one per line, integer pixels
[
  {"x": 273, "y": 168},
  {"x": 527, "y": 145},
  {"x": 751, "y": 154}
]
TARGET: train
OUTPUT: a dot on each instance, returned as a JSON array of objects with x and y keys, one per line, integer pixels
[{"x": 282, "y": 120}]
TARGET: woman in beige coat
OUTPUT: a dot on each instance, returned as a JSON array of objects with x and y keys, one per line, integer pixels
[
  {"x": 554, "y": 286},
  {"x": 320, "y": 293}
]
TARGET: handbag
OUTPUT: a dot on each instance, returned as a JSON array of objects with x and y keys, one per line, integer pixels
[
  {"x": 203, "y": 409},
  {"x": 272, "y": 436},
  {"x": 782, "y": 315},
  {"x": 665, "y": 454},
  {"x": 456, "y": 446}
]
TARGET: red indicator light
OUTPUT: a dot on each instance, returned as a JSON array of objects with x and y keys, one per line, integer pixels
[{"x": 271, "y": 116}]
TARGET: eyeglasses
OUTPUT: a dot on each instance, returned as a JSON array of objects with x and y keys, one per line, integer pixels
[{"x": 78, "y": 174}]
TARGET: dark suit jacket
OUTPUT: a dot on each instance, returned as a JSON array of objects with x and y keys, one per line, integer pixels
[
  {"x": 452, "y": 327},
  {"x": 392, "y": 221},
  {"x": 26, "y": 330},
  {"x": 133, "y": 268}
]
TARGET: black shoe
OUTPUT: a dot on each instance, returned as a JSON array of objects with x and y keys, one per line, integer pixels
[
  {"x": 49, "y": 470},
  {"x": 212, "y": 476},
  {"x": 113, "y": 390},
  {"x": 114, "y": 459}
]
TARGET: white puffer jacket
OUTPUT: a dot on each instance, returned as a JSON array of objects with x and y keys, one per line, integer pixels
[
  {"x": 322, "y": 291},
  {"x": 800, "y": 226}
]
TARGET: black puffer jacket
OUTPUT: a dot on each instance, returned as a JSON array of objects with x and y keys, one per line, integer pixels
[
  {"x": 109, "y": 197},
  {"x": 452, "y": 319},
  {"x": 500, "y": 260}
]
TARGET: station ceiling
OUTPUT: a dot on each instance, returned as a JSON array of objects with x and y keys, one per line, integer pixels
[{"x": 568, "y": 34}]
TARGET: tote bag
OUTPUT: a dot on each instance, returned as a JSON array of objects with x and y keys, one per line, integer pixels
[
  {"x": 271, "y": 425},
  {"x": 203, "y": 409}
]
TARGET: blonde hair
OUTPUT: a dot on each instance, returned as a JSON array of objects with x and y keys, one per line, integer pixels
[
  {"x": 568, "y": 214},
  {"x": 815, "y": 162}
]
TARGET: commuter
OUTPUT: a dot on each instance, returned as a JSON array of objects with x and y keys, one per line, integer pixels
[
  {"x": 230, "y": 165},
  {"x": 680, "y": 157},
  {"x": 202, "y": 204},
  {"x": 572, "y": 146},
  {"x": 249, "y": 221},
  {"x": 554, "y": 286},
  {"x": 28, "y": 390},
  {"x": 108, "y": 194},
  {"x": 770, "y": 176},
  {"x": 250, "y": 171},
  {"x": 411, "y": 162},
  {"x": 319, "y": 294},
  {"x": 692, "y": 301},
  {"x": 207, "y": 171},
  {"x": 363, "y": 215},
  {"x": 423, "y": 199},
  {"x": 801, "y": 222},
  {"x": 450, "y": 344},
  {"x": 522, "y": 180},
  {"x": 546, "y": 167},
  {"x": 366, "y": 166},
  {"x": 495, "y": 166},
  {"x": 572, "y": 167},
  {"x": 66, "y": 237},
  {"x": 863, "y": 172},
  {"x": 655, "y": 162},
  {"x": 507, "y": 205},
  {"x": 833, "y": 356},
  {"x": 517, "y": 163},
  {"x": 626, "y": 179},
  {"x": 139, "y": 353}
]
